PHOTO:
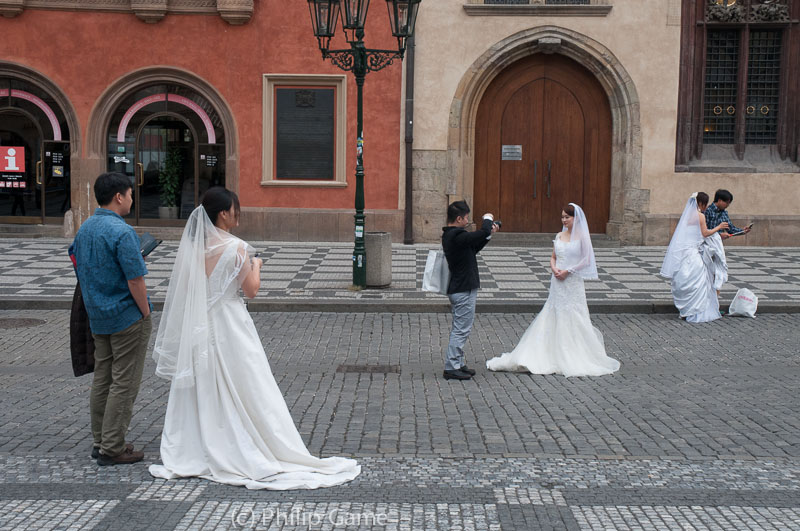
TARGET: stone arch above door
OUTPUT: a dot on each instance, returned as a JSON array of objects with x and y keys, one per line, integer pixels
[
  {"x": 115, "y": 94},
  {"x": 628, "y": 200},
  {"x": 39, "y": 80}
]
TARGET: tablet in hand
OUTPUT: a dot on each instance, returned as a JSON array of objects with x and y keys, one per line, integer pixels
[{"x": 147, "y": 243}]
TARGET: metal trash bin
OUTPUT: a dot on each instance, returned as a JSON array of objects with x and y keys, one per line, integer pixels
[{"x": 378, "y": 246}]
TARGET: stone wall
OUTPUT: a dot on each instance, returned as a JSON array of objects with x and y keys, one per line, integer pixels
[
  {"x": 772, "y": 231},
  {"x": 317, "y": 225},
  {"x": 430, "y": 177}
]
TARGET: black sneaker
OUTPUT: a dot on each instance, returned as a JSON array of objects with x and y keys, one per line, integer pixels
[
  {"x": 467, "y": 370},
  {"x": 457, "y": 374}
]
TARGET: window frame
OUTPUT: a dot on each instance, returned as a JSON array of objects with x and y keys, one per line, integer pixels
[
  {"x": 691, "y": 118},
  {"x": 269, "y": 162},
  {"x": 595, "y": 8}
]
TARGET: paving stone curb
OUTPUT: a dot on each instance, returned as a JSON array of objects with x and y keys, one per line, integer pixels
[{"x": 382, "y": 306}]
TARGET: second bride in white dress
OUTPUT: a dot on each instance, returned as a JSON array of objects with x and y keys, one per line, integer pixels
[
  {"x": 562, "y": 339},
  {"x": 695, "y": 263},
  {"x": 226, "y": 418}
]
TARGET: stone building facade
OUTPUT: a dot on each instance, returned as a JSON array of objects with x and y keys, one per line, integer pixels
[
  {"x": 183, "y": 95},
  {"x": 521, "y": 106}
]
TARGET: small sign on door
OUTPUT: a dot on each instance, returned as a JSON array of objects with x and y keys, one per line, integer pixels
[
  {"x": 12, "y": 159},
  {"x": 511, "y": 152}
]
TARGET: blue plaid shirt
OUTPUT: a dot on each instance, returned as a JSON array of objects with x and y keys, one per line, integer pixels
[{"x": 715, "y": 216}]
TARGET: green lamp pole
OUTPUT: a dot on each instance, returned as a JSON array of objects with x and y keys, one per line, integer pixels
[{"x": 360, "y": 60}]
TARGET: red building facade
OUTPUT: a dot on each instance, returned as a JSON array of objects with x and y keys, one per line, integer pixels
[{"x": 231, "y": 95}]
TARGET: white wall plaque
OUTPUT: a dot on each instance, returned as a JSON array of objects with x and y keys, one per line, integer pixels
[{"x": 511, "y": 152}]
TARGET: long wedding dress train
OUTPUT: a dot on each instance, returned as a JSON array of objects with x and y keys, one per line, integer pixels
[
  {"x": 233, "y": 426},
  {"x": 561, "y": 339}
]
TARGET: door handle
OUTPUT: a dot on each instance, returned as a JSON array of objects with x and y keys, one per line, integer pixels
[
  {"x": 549, "y": 168},
  {"x": 140, "y": 167},
  {"x": 535, "y": 171},
  {"x": 39, "y": 173}
]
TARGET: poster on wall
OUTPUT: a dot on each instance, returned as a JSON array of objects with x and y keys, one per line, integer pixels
[
  {"x": 12, "y": 159},
  {"x": 12, "y": 167}
]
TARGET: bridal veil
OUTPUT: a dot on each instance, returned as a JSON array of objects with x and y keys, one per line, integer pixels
[
  {"x": 582, "y": 264},
  {"x": 687, "y": 236},
  {"x": 181, "y": 345}
]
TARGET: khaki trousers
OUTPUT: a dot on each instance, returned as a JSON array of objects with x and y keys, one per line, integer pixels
[{"x": 118, "y": 364}]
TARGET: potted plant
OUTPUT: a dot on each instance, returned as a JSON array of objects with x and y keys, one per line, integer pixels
[{"x": 169, "y": 182}]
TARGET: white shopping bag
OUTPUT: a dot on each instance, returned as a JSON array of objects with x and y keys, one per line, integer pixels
[
  {"x": 437, "y": 273},
  {"x": 744, "y": 304}
]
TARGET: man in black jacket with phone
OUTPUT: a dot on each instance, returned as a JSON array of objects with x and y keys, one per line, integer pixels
[{"x": 460, "y": 249}]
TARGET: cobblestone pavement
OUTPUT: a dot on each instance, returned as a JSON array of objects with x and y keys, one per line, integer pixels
[
  {"x": 40, "y": 270},
  {"x": 698, "y": 430}
]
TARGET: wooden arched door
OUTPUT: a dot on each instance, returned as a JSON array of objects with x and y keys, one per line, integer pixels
[{"x": 542, "y": 140}]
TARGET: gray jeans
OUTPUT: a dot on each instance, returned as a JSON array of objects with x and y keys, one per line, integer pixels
[{"x": 463, "y": 305}]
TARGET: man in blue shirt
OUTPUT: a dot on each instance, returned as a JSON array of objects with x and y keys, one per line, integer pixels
[
  {"x": 716, "y": 214},
  {"x": 110, "y": 269}
]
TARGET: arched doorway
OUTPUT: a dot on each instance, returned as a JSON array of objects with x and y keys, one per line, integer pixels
[
  {"x": 628, "y": 200},
  {"x": 34, "y": 155},
  {"x": 169, "y": 139},
  {"x": 543, "y": 136}
]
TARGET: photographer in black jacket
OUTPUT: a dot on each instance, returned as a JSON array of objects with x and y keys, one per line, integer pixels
[{"x": 460, "y": 249}]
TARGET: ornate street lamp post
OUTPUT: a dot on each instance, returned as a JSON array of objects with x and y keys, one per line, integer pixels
[{"x": 360, "y": 60}]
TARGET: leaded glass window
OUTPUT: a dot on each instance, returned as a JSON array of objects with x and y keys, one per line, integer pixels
[
  {"x": 722, "y": 60},
  {"x": 739, "y": 93},
  {"x": 763, "y": 87}
]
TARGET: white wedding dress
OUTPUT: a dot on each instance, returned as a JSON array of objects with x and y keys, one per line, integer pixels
[
  {"x": 696, "y": 267},
  {"x": 703, "y": 270},
  {"x": 230, "y": 423},
  {"x": 561, "y": 339}
]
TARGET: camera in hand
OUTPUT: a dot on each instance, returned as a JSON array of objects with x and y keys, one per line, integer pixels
[{"x": 498, "y": 223}]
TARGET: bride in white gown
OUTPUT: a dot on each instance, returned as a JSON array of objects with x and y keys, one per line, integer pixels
[
  {"x": 695, "y": 263},
  {"x": 562, "y": 339},
  {"x": 226, "y": 418}
]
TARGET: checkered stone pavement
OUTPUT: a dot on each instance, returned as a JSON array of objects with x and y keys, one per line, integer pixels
[
  {"x": 698, "y": 430},
  {"x": 40, "y": 270}
]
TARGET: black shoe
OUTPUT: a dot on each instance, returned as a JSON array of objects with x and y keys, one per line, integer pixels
[
  {"x": 127, "y": 457},
  {"x": 96, "y": 450},
  {"x": 467, "y": 370},
  {"x": 457, "y": 374}
]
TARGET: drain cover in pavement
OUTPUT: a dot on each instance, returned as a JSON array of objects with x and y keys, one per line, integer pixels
[
  {"x": 13, "y": 322},
  {"x": 368, "y": 368}
]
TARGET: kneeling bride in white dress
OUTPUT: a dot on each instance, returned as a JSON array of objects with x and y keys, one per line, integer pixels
[
  {"x": 226, "y": 418},
  {"x": 562, "y": 339}
]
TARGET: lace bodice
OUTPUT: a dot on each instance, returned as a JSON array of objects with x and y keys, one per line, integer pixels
[
  {"x": 565, "y": 250},
  {"x": 222, "y": 282},
  {"x": 568, "y": 294}
]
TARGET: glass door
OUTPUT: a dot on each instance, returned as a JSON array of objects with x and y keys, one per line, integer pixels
[
  {"x": 166, "y": 173},
  {"x": 55, "y": 180},
  {"x": 20, "y": 158}
]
